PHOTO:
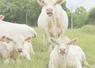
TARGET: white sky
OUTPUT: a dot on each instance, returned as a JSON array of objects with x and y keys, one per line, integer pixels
[{"x": 73, "y": 4}]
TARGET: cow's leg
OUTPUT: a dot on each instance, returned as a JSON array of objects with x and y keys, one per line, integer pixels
[
  {"x": 45, "y": 39},
  {"x": 78, "y": 65},
  {"x": 6, "y": 61}
]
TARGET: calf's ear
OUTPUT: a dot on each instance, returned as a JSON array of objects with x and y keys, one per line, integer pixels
[{"x": 72, "y": 42}]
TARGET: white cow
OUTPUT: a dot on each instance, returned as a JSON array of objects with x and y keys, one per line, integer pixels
[
  {"x": 53, "y": 18},
  {"x": 67, "y": 55},
  {"x": 18, "y": 32},
  {"x": 8, "y": 50}
]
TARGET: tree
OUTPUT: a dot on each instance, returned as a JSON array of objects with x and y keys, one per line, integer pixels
[
  {"x": 91, "y": 17},
  {"x": 21, "y": 11},
  {"x": 79, "y": 17}
]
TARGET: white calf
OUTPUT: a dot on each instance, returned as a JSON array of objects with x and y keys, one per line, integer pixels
[{"x": 68, "y": 55}]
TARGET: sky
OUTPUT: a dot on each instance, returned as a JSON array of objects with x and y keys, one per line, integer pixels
[{"x": 73, "y": 4}]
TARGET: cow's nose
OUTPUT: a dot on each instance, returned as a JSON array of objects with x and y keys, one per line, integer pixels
[
  {"x": 62, "y": 51},
  {"x": 49, "y": 12},
  {"x": 19, "y": 50}
]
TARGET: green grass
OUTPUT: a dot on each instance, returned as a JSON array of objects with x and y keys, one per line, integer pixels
[{"x": 41, "y": 57}]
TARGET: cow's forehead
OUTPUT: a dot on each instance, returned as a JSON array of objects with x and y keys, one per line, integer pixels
[{"x": 62, "y": 44}]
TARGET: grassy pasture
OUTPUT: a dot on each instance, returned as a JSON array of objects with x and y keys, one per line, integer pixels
[{"x": 85, "y": 38}]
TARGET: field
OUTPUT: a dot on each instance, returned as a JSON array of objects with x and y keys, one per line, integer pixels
[{"x": 86, "y": 39}]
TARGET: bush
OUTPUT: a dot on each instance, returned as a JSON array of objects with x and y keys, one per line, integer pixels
[{"x": 90, "y": 29}]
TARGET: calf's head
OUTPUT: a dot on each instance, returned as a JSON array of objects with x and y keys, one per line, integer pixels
[{"x": 62, "y": 48}]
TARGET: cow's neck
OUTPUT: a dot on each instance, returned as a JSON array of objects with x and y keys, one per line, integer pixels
[
  {"x": 54, "y": 25},
  {"x": 53, "y": 19}
]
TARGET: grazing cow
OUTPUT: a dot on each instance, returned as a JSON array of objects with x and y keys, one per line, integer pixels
[
  {"x": 18, "y": 32},
  {"x": 66, "y": 55},
  {"x": 8, "y": 51},
  {"x": 53, "y": 19}
]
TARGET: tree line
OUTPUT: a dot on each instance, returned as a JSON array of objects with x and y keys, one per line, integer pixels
[{"x": 27, "y": 12}]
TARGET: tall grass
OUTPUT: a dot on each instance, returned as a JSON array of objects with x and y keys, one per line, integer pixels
[{"x": 41, "y": 57}]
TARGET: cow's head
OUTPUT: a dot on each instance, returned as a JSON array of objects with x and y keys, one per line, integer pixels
[
  {"x": 49, "y": 6},
  {"x": 21, "y": 44}
]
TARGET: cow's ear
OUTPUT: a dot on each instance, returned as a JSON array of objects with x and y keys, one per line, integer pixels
[
  {"x": 28, "y": 39},
  {"x": 3, "y": 37},
  {"x": 59, "y": 2},
  {"x": 41, "y": 2},
  {"x": 9, "y": 39}
]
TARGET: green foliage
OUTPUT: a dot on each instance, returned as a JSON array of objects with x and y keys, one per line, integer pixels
[
  {"x": 79, "y": 17},
  {"x": 91, "y": 18},
  {"x": 21, "y": 11}
]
